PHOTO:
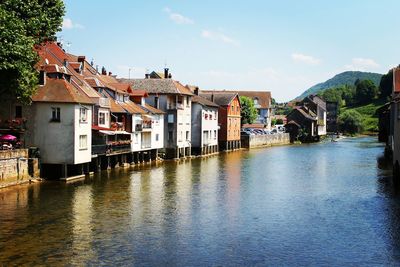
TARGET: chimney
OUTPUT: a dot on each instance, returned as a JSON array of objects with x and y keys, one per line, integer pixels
[
  {"x": 81, "y": 59},
  {"x": 65, "y": 63},
  {"x": 166, "y": 73},
  {"x": 212, "y": 97},
  {"x": 109, "y": 73},
  {"x": 147, "y": 76},
  {"x": 103, "y": 71},
  {"x": 196, "y": 91}
]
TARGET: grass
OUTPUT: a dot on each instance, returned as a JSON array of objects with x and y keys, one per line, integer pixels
[{"x": 368, "y": 112}]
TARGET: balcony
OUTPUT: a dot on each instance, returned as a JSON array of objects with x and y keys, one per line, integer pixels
[
  {"x": 146, "y": 125},
  {"x": 113, "y": 147},
  {"x": 15, "y": 124},
  {"x": 117, "y": 126}
]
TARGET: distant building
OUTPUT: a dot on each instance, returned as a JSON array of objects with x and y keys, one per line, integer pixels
[
  {"x": 228, "y": 117},
  {"x": 262, "y": 102},
  {"x": 332, "y": 111}
]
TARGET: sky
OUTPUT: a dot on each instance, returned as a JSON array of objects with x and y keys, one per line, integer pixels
[{"x": 280, "y": 46}]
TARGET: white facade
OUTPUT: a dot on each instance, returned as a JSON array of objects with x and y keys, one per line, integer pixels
[
  {"x": 61, "y": 141},
  {"x": 150, "y": 138},
  {"x": 184, "y": 121},
  {"x": 157, "y": 133}
]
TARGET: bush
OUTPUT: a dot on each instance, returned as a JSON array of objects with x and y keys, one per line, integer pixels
[{"x": 350, "y": 122}]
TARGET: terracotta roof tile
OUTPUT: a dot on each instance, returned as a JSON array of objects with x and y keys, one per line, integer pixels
[
  {"x": 158, "y": 86},
  {"x": 153, "y": 109},
  {"x": 264, "y": 97},
  {"x": 220, "y": 98},
  {"x": 203, "y": 101},
  {"x": 60, "y": 91}
]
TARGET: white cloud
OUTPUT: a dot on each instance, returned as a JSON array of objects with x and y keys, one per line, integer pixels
[
  {"x": 363, "y": 64},
  {"x": 218, "y": 36},
  {"x": 305, "y": 59},
  {"x": 178, "y": 18},
  {"x": 67, "y": 24}
]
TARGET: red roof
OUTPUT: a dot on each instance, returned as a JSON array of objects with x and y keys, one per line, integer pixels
[{"x": 60, "y": 91}]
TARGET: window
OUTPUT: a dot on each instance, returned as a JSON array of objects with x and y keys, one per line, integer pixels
[
  {"x": 187, "y": 136},
  {"x": 55, "y": 115},
  {"x": 136, "y": 141},
  {"x": 215, "y": 134},
  {"x": 102, "y": 118},
  {"x": 83, "y": 142},
  {"x": 82, "y": 114},
  {"x": 188, "y": 101},
  {"x": 170, "y": 136},
  {"x": 211, "y": 116},
  {"x": 157, "y": 137},
  {"x": 156, "y": 102},
  {"x": 18, "y": 111},
  {"x": 170, "y": 118},
  {"x": 180, "y": 137}
]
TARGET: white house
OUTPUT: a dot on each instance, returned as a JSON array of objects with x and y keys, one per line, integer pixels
[
  {"x": 174, "y": 100},
  {"x": 204, "y": 125},
  {"x": 61, "y": 125}
]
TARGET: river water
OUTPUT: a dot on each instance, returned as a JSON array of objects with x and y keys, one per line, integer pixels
[{"x": 327, "y": 204}]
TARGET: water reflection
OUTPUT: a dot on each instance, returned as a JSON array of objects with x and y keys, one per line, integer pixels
[{"x": 276, "y": 206}]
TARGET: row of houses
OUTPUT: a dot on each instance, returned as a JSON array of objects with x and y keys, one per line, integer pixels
[
  {"x": 307, "y": 121},
  {"x": 389, "y": 126},
  {"x": 83, "y": 120}
]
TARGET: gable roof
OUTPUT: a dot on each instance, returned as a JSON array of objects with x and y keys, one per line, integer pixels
[
  {"x": 263, "y": 97},
  {"x": 221, "y": 98},
  {"x": 60, "y": 91},
  {"x": 203, "y": 101},
  {"x": 158, "y": 86}
]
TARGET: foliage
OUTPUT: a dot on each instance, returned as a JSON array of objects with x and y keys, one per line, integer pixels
[
  {"x": 350, "y": 122},
  {"x": 24, "y": 24},
  {"x": 279, "y": 121},
  {"x": 248, "y": 111},
  {"x": 283, "y": 110},
  {"x": 386, "y": 85},
  {"x": 344, "y": 78},
  {"x": 273, "y": 122},
  {"x": 366, "y": 91}
]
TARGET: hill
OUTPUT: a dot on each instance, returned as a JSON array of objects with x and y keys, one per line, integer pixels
[{"x": 347, "y": 77}]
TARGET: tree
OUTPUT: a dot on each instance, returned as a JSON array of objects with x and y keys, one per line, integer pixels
[
  {"x": 24, "y": 24},
  {"x": 386, "y": 85},
  {"x": 366, "y": 90},
  {"x": 350, "y": 122},
  {"x": 248, "y": 111}
]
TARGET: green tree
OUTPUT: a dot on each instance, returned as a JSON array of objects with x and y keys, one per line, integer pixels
[
  {"x": 350, "y": 122},
  {"x": 248, "y": 111},
  {"x": 24, "y": 24},
  {"x": 366, "y": 90},
  {"x": 386, "y": 85}
]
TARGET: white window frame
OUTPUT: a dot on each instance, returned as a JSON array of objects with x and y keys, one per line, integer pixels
[{"x": 83, "y": 144}]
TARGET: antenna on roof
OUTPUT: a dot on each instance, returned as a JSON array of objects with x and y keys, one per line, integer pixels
[
  {"x": 67, "y": 45},
  {"x": 92, "y": 62}
]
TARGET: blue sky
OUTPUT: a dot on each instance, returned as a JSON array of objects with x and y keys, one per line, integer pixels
[{"x": 279, "y": 46}]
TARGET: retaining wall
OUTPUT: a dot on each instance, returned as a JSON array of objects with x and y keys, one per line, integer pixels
[
  {"x": 13, "y": 167},
  {"x": 253, "y": 141}
]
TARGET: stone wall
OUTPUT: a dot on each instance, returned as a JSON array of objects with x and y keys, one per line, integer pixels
[
  {"x": 13, "y": 167},
  {"x": 252, "y": 141}
]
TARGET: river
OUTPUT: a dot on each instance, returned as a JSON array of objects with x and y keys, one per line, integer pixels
[{"x": 326, "y": 204}]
